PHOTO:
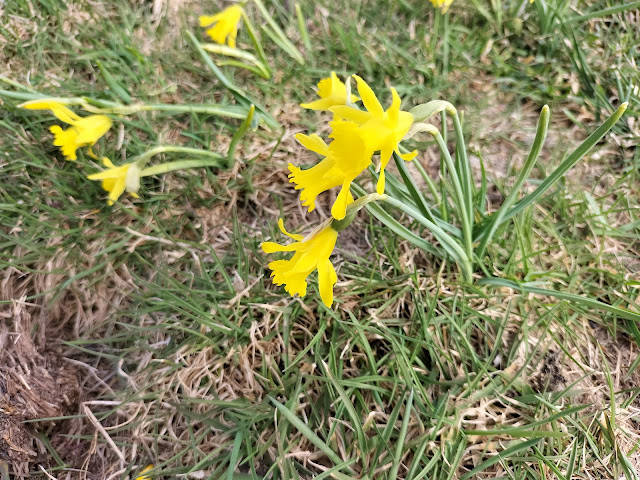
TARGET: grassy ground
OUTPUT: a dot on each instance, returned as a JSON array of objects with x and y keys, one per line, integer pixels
[{"x": 150, "y": 332}]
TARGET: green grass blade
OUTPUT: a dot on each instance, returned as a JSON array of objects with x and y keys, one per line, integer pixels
[
  {"x": 401, "y": 437},
  {"x": 512, "y": 450},
  {"x": 580, "y": 300},
  {"x": 307, "y": 432}
]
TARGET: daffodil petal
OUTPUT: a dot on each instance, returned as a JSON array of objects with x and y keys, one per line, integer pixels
[
  {"x": 294, "y": 236},
  {"x": 369, "y": 99},
  {"x": 313, "y": 142},
  {"x": 327, "y": 278}
]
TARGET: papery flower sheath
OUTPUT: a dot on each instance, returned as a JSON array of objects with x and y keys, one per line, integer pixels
[
  {"x": 332, "y": 91},
  {"x": 382, "y": 130},
  {"x": 223, "y": 26},
  {"x": 84, "y": 131},
  {"x": 311, "y": 253},
  {"x": 345, "y": 158},
  {"x": 116, "y": 180}
]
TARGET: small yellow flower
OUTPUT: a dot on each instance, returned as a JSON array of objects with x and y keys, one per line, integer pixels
[
  {"x": 382, "y": 130},
  {"x": 116, "y": 180},
  {"x": 443, "y": 5},
  {"x": 332, "y": 92},
  {"x": 311, "y": 253},
  {"x": 345, "y": 158},
  {"x": 142, "y": 475},
  {"x": 223, "y": 26},
  {"x": 84, "y": 131}
]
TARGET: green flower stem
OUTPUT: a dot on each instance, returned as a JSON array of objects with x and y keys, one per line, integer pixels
[
  {"x": 255, "y": 41},
  {"x": 92, "y": 105},
  {"x": 497, "y": 218},
  {"x": 247, "y": 60},
  {"x": 302, "y": 28},
  {"x": 180, "y": 165},
  {"x": 569, "y": 162},
  {"x": 459, "y": 195},
  {"x": 142, "y": 159},
  {"x": 283, "y": 42},
  {"x": 239, "y": 133},
  {"x": 452, "y": 247},
  {"x": 465, "y": 173},
  {"x": 432, "y": 186},
  {"x": 238, "y": 93},
  {"x": 413, "y": 189}
]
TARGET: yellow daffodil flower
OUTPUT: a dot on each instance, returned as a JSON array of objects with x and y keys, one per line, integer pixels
[
  {"x": 116, "y": 180},
  {"x": 345, "y": 158},
  {"x": 332, "y": 91},
  {"x": 142, "y": 475},
  {"x": 443, "y": 5},
  {"x": 311, "y": 253},
  {"x": 382, "y": 130},
  {"x": 223, "y": 26},
  {"x": 84, "y": 131}
]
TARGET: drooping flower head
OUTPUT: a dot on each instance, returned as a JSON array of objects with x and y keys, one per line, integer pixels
[
  {"x": 443, "y": 5},
  {"x": 84, "y": 131},
  {"x": 223, "y": 26},
  {"x": 332, "y": 91},
  {"x": 116, "y": 180},
  {"x": 311, "y": 253},
  {"x": 345, "y": 158},
  {"x": 381, "y": 130}
]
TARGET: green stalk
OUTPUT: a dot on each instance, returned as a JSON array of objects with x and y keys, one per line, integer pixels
[
  {"x": 467, "y": 181},
  {"x": 570, "y": 161},
  {"x": 254, "y": 64},
  {"x": 452, "y": 247},
  {"x": 255, "y": 41},
  {"x": 425, "y": 176},
  {"x": 143, "y": 158},
  {"x": 239, "y": 133},
  {"x": 497, "y": 218},
  {"x": 107, "y": 107},
  {"x": 302, "y": 27},
  {"x": 459, "y": 194},
  {"x": 240, "y": 95},
  {"x": 180, "y": 165},
  {"x": 413, "y": 189},
  {"x": 282, "y": 40},
  {"x": 396, "y": 227}
]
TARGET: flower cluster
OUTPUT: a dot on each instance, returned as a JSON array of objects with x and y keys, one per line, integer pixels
[{"x": 357, "y": 134}]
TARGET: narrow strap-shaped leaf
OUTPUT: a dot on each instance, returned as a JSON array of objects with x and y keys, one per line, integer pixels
[
  {"x": 569, "y": 162},
  {"x": 497, "y": 218}
]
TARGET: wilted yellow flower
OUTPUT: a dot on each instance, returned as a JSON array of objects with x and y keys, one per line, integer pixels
[
  {"x": 332, "y": 91},
  {"x": 116, "y": 180},
  {"x": 382, "y": 130},
  {"x": 443, "y": 5},
  {"x": 84, "y": 131},
  {"x": 311, "y": 253},
  {"x": 142, "y": 475},
  {"x": 223, "y": 26},
  {"x": 345, "y": 158}
]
